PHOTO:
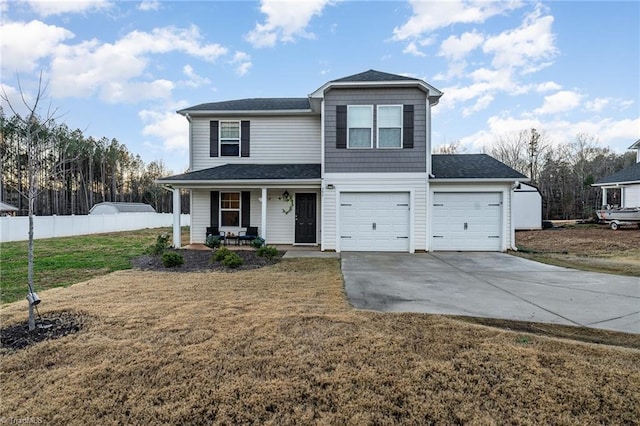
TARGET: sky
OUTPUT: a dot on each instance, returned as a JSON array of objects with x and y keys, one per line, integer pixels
[{"x": 121, "y": 69}]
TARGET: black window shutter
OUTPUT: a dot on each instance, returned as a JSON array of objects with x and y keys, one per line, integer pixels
[
  {"x": 407, "y": 127},
  {"x": 215, "y": 206},
  {"x": 341, "y": 126},
  {"x": 244, "y": 138},
  {"x": 246, "y": 209},
  {"x": 213, "y": 139}
]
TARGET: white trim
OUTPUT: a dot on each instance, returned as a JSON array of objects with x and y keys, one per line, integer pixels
[
  {"x": 370, "y": 127},
  {"x": 263, "y": 212},
  {"x": 241, "y": 183},
  {"x": 430, "y": 90},
  {"x": 208, "y": 113},
  {"x": 478, "y": 180},
  {"x": 377, "y": 120},
  {"x": 610, "y": 185},
  {"x": 239, "y": 122},
  {"x": 239, "y": 209}
]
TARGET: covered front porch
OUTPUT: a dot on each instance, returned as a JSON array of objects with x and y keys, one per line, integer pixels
[{"x": 281, "y": 201}]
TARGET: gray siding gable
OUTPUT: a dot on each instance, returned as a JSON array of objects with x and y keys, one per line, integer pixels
[{"x": 376, "y": 160}]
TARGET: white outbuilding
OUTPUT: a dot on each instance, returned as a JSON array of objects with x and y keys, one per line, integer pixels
[
  {"x": 120, "y": 207},
  {"x": 527, "y": 208}
]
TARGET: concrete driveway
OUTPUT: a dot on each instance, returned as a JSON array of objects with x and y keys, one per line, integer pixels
[{"x": 493, "y": 285}]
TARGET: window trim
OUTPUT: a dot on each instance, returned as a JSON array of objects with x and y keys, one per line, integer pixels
[
  {"x": 224, "y": 141},
  {"x": 370, "y": 127},
  {"x": 401, "y": 127},
  {"x": 239, "y": 209}
]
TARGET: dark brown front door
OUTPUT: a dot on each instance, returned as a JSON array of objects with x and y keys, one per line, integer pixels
[{"x": 305, "y": 218}]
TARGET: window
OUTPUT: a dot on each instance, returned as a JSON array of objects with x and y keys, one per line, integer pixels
[
  {"x": 360, "y": 124},
  {"x": 230, "y": 209},
  {"x": 230, "y": 138},
  {"x": 389, "y": 126}
]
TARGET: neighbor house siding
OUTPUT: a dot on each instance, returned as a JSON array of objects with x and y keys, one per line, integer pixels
[
  {"x": 414, "y": 183},
  {"x": 376, "y": 160},
  {"x": 632, "y": 196},
  {"x": 294, "y": 139}
]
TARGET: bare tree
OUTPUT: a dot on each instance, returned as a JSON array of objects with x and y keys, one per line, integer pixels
[
  {"x": 39, "y": 135},
  {"x": 523, "y": 151}
]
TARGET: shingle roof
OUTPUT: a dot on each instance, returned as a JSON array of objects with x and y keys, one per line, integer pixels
[
  {"x": 254, "y": 104},
  {"x": 635, "y": 145},
  {"x": 251, "y": 172},
  {"x": 4, "y": 207},
  {"x": 471, "y": 166},
  {"x": 628, "y": 174},
  {"x": 373, "y": 75}
]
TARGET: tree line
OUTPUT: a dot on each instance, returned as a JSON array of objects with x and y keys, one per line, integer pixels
[
  {"x": 75, "y": 171},
  {"x": 562, "y": 172}
]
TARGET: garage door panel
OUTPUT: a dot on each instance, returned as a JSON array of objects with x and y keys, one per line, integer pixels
[
  {"x": 467, "y": 221},
  {"x": 388, "y": 211}
]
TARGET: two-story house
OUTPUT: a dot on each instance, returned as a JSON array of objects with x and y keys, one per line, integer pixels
[{"x": 347, "y": 168}]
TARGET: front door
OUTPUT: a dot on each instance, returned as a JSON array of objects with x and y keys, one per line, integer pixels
[{"x": 305, "y": 218}]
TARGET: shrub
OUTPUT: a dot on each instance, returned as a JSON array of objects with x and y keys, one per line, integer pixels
[
  {"x": 162, "y": 243},
  {"x": 213, "y": 241},
  {"x": 267, "y": 251},
  {"x": 257, "y": 242},
  {"x": 220, "y": 254},
  {"x": 172, "y": 259},
  {"x": 232, "y": 260}
]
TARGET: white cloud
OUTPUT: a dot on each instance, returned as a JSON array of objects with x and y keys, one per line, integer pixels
[
  {"x": 597, "y": 104},
  {"x": 46, "y": 8},
  {"x": 194, "y": 80},
  {"x": 564, "y": 100},
  {"x": 285, "y": 20},
  {"x": 25, "y": 43},
  {"x": 528, "y": 47},
  {"x": 429, "y": 16},
  {"x": 171, "y": 128},
  {"x": 242, "y": 61},
  {"x": 482, "y": 103},
  {"x": 547, "y": 86},
  {"x": 456, "y": 48},
  {"x": 91, "y": 66},
  {"x": 147, "y": 5},
  {"x": 117, "y": 92},
  {"x": 412, "y": 49}
]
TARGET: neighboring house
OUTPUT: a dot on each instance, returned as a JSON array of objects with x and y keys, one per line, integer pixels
[
  {"x": 626, "y": 180},
  {"x": 121, "y": 207},
  {"x": 527, "y": 208},
  {"x": 4, "y": 207},
  {"x": 348, "y": 168}
]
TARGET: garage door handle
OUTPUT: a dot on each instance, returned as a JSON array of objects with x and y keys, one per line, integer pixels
[
  {"x": 345, "y": 236},
  {"x": 403, "y": 237}
]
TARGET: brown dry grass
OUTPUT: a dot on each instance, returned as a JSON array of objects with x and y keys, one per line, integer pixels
[
  {"x": 590, "y": 247},
  {"x": 281, "y": 346}
]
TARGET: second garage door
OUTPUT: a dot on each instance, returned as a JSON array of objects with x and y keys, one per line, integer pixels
[
  {"x": 469, "y": 221},
  {"x": 374, "y": 221}
]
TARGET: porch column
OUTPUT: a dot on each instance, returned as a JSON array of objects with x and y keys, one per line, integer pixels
[
  {"x": 177, "y": 240},
  {"x": 263, "y": 215},
  {"x": 604, "y": 196}
]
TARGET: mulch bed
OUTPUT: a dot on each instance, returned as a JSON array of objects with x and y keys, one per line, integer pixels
[
  {"x": 202, "y": 260},
  {"x": 53, "y": 325}
]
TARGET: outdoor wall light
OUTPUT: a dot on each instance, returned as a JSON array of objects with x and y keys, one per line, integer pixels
[
  {"x": 330, "y": 186},
  {"x": 33, "y": 299},
  {"x": 285, "y": 194}
]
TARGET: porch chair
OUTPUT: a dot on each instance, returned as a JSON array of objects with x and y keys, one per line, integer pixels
[
  {"x": 214, "y": 230},
  {"x": 249, "y": 235}
]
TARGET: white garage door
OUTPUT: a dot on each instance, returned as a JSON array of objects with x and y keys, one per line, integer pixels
[
  {"x": 374, "y": 221},
  {"x": 470, "y": 221}
]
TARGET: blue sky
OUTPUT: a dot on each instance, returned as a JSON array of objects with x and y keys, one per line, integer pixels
[{"x": 122, "y": 69}]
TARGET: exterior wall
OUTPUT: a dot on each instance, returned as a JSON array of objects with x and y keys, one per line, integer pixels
[
  {"x": 376, "y": 160},
  {"x": 414, "y": 183},
  {"x": 508, "y": 232},
  {"x": 631, "y": 196},
  {"x": 280, "y": 226},
  {"x": 274, "y": 140}
]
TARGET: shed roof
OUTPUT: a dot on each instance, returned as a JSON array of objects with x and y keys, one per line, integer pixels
[
  {"x": 250, "y": 172},
  {"x": 122, "y": 207},
  {"x": 472, "y": 166},
  {"x": 4, "y": 207},
  {"x": 629, "y": 174}
]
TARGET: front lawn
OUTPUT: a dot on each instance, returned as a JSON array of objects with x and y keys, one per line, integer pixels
[{"x": 281, "y": 345}]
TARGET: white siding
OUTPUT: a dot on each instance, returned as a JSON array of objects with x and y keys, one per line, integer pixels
[
  {"x": 200, "y": 214},
  {"x": 414, "y": 183},
  {"x": 273, "y": 140},
  {"x": 527, "y": 208},
  {"x": 632, "y": 196}
]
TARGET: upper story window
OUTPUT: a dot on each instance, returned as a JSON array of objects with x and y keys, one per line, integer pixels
[
  {"x": 230, "y": 209},
  {"x": 230, "y": 138},
  {"x": 389, "y": 126},
  {"x": 360, "y": 126}
]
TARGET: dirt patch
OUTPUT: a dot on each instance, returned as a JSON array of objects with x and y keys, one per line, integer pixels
[
  {"x": 589, "y": 247},
  {"x": 52, "y": 325},
  {"x": 202, "y": 260}
]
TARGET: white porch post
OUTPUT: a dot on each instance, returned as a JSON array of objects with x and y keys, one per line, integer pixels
[
  {"x": 177, "y": 240},
  {"x": 604, "y": 196},
  {"x": 263, "y": 215}
]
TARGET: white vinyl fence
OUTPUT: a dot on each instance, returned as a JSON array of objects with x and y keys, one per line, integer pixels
[{"x": 17, "y": 228}]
